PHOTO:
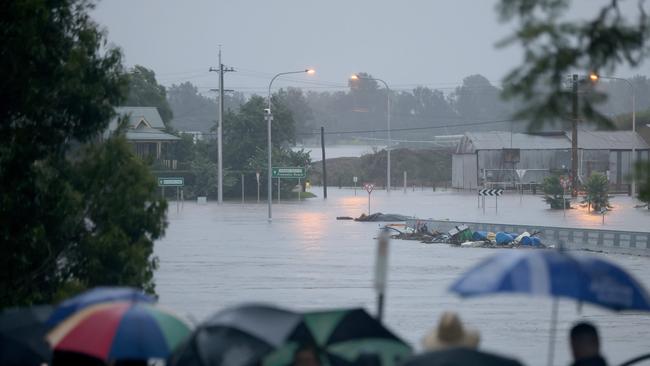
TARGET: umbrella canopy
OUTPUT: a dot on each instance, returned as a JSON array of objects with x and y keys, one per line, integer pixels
[
  {"x": 120, "y": 331},
  {"x": 95, "y": 296},
  {"x": 343, "y": 337},
  {"x": 459, "y": 356},
  {"x": 237, "y": 336},
  {"x": 22, "y": 336},
  {"x": 553, "y": 273}
]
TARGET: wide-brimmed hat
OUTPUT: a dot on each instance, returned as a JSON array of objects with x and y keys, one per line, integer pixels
[{"x": 450, "y": 333}]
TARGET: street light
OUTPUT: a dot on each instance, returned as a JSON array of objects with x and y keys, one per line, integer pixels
[
  {"x": 358, "y": 77},
  {"x": 269, "y": 117},
  {"x": 594, "y": 78}
]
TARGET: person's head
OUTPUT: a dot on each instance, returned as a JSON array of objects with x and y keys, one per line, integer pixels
[
  {"x": 584, "y": 341},
  {"x": 306, "y": 355},
  {"x": 450, "y": 333}
]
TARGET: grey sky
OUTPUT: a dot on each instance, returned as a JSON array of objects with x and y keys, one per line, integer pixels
[{"x": 408, "y": 43}]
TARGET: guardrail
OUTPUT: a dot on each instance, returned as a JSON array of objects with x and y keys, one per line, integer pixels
[{"x": 611, "y": 241}]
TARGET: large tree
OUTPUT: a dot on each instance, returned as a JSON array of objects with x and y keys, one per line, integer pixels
[
  {"x": 556, "y": 46},
  {"x": 144, "y": 91},
  {"x": 59, "y": 86}
]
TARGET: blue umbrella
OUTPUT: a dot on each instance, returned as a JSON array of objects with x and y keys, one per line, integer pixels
[
  {"x": 552, "y": 273},
  {"x": 95, "y": 296},
  {"x": 556, "y": 274}
]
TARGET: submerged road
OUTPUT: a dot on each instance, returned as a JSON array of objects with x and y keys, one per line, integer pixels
[{"x": 216, "y": 256}]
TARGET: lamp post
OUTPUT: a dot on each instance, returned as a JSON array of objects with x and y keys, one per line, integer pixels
[
  {"x": 594, "y": 78},
  {"x": 358, "y": 77},
  {"x": 269, "y": 117}
]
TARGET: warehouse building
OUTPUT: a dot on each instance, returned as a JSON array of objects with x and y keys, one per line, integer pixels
[{"x": 507, "y": 159}]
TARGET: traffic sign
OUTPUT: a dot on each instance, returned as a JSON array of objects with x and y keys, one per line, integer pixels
[
  {"x": 369, "y": 187},
  {"x": 288, "y": 172},
  {"x": 490, "y": 192},
  {"x": 355, "y": 179},
  {"x": 171, "y": 182}
]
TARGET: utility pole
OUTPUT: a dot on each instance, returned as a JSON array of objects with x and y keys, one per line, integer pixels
[
  {"x": 222, "y": 91},
  {"x": 322, "y": 144},
  {"x": 574, "y": 137}
]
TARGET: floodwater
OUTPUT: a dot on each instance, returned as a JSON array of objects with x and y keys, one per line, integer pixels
[{"x": 216, "y": 256}]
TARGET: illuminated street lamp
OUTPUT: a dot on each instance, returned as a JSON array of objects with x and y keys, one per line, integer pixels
[
  {"x": 269, "y": 117},
  {"x": 358, "y": 77},
  {"x": 594, "y": 78}
]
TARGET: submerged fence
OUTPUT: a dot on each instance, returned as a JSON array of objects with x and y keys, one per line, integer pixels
[{"x": 611, "y": 241}]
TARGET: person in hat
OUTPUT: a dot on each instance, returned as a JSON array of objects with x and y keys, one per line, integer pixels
[
  {"x": 450, "y": 333},
  {"x": 451, "y": 344}
]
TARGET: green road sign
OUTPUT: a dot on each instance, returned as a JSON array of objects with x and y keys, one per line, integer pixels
[
  {"x": 171, "y": 182},
  {"x": 290, "y": 172}
]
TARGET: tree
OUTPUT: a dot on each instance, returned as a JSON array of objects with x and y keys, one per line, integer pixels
[
  {"x": 122, "y": 217},
  {"x": 300, "y": 110},
  {"x": 196, "y": 112},
  {"x": 205, "y": 176},
  {"x": 60, "y": 83},
  {"x": 478, "y": 99},
  {"x": 554, "y": 193},
  {"x": 555, "y": 47},
  {"x": 597, "y": 192},
  {"x": 144, "y": 91}
]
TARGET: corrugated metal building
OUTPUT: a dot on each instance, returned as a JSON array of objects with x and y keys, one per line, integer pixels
[{"x": 506, "y": 158}]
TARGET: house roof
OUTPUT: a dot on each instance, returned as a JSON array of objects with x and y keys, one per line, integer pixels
[
  {"x": 136, "y": 115},
  {"x": 497, "y": 140},
  {"x": 149, "y": 134},
  {"x": 610, "y": 140},
  {"x": 588, "y": 140}
]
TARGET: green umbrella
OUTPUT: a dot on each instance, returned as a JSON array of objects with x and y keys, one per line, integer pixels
[{"x": 342, "y": 338}]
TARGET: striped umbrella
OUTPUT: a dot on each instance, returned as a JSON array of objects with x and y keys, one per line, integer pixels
[
  {"x": 120, "y": 331},
  {"x": 342, "y": 337}
]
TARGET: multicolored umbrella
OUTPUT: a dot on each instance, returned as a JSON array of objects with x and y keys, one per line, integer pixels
[
  {"x": 120, "y": 331},
  {"x": 95, "y": 296},
  {"x": 343, "y": 337}
]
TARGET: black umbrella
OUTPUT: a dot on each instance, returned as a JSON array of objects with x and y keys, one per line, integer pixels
[
  {"x": 460, "y": 356},
  {"x": 22, "y": 336},
  {"x": 237, "y": 336}
]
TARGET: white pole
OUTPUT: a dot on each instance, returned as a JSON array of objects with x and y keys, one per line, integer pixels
[
  {"x": 551, "y": 341},
  {"x": 381, "y": 271},
  {"x": 270, "y": 118},
  {"x": 219, "y": 134},
  {"x": 405, "y": 181},
  {"x": 633, "y": 188}
]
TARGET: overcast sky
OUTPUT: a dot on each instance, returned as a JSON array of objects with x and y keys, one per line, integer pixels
[{"x": 433, "y": 43}]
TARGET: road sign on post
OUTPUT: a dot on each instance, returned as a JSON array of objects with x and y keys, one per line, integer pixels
[
  {"x": 490, "y": 192},
  {"x": 288, "y": 172},
  {"x": 355, "y": 180},
  {"x": 493, "y": 193},
  {"x": 171, "y": 182},
  {"x": 369, "y": 187}
]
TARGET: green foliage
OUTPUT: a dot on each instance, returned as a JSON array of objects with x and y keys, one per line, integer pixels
[
  {"x": 196, "y": 112},
  {"x": 596, "y": 192},
  {"x": 205, "y": 176},
  {"x": 642, "y": 171},
  {"x": 555, "y": 47},
  {"x": 61, "y": 202},
  {"x": 144, "y": 91},
  {"x": 122, "y": 217},
  {"x": 553, "y": 192},
  {"x": 424, "y": 167}
]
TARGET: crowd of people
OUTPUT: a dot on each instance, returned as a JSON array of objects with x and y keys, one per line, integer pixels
[{"x": 452, "y": 344}]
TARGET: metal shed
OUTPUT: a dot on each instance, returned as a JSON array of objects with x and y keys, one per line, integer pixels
[{"x": 505, "y": 158}]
